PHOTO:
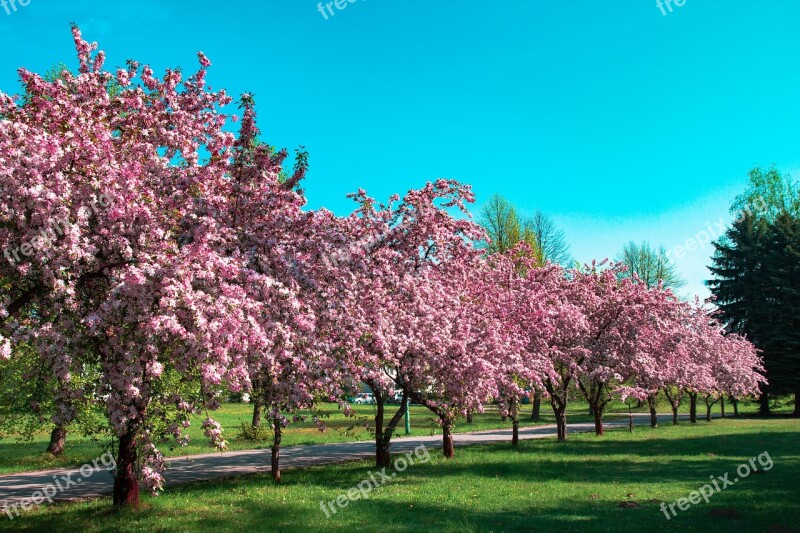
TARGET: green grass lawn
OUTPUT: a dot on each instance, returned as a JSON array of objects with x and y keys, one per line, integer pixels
[
  {"x": 543, "y": 485},
  {"x": 18, "y": 457}
]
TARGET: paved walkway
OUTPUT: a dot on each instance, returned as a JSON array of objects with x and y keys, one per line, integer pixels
[{"x": 17, "y": 487}]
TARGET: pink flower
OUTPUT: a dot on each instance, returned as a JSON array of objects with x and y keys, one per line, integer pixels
[{"x": 204, "y": 62}]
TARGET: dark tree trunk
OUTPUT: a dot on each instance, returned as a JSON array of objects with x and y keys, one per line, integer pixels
[
  {"x": 560, "y": 412},
  {"x": 674, "y": 403},
  {"x": 651, "y": 403},
  {"x": 735, "y": 404},
  {"x": 515, "y": 432},
  {"x": 693, "y": 407},
  {"x": 536, "y": 412},
  {"x": 257, "y": 414},
  {"x": 796, "y": 404},
  {"x": 276, "y": 452},
  {"x": 383, "y": 434},
  {"x": 764, "y": 404},
  {"x": 722, "y": 406},
  {"x": 58, "y": 438},
  {"x": 382, "y": 457},
  {"x": 126, "y": 481},
  {"x": 514, "y": 425},
  {"x": 598, "y": 422},
  {"x": 447, "y": 439},
  {"x": 445, "y": 421},
  {"x": 708, "y": 413},
  {"x": 469, "y": 417}
]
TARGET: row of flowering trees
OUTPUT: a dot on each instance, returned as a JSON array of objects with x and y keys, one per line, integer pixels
[{"x": 157, "y": 261}]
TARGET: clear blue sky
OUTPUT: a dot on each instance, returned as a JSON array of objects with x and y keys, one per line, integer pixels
[{"x": 620, "y": 122}]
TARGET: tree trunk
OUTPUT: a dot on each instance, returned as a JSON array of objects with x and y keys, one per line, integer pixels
[
  {"x": 598, "y": 422},
  {"x": 651, "y": 403},
  {"x": 708, "y": 413},
  {"x": 276, "y": 452},
  {"x": 447, "y": 439},
  {"x": 735, "y": 404},
  {"x": 58, "y": 438},
  {"x": 256, "y": 413},
  {"x": 126, "y": 481},
  {"x": 514, "y": 425},
  {"x": 722, "y": 406},
  {"x": 674, "y": 415},
  {"x": 515, "y": 432},
  {"x": 693, "y": 407},
  {"x": 764, "y": 404},
  {"x": 383, "y": 434},
  {"x": 560, "y": 412},
  {"x": 536, "y": 412},
  {"x": 382, "y": 457},
  {"x": 796, "y": 404},
  {"x": 469, "y": 417}
]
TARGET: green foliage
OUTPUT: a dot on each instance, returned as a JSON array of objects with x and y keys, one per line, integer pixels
[
  {"x": 651, "y": 265},
  {"x": 756, "y": 269},
  {"x": 249, "y": 432},
  {"x": 504, "y": 227}
]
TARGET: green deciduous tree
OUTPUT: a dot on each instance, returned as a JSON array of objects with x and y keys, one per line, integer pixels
[{"x": 650, "y": 264}]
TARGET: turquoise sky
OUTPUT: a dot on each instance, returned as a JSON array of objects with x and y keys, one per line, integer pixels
[{"x": 619, "y": 121}]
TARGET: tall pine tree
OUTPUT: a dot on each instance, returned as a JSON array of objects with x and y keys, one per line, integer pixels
[{"x": 756, "y": 270}]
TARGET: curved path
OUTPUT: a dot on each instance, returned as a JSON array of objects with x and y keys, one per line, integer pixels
[{"x": 15, "y": 488}]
